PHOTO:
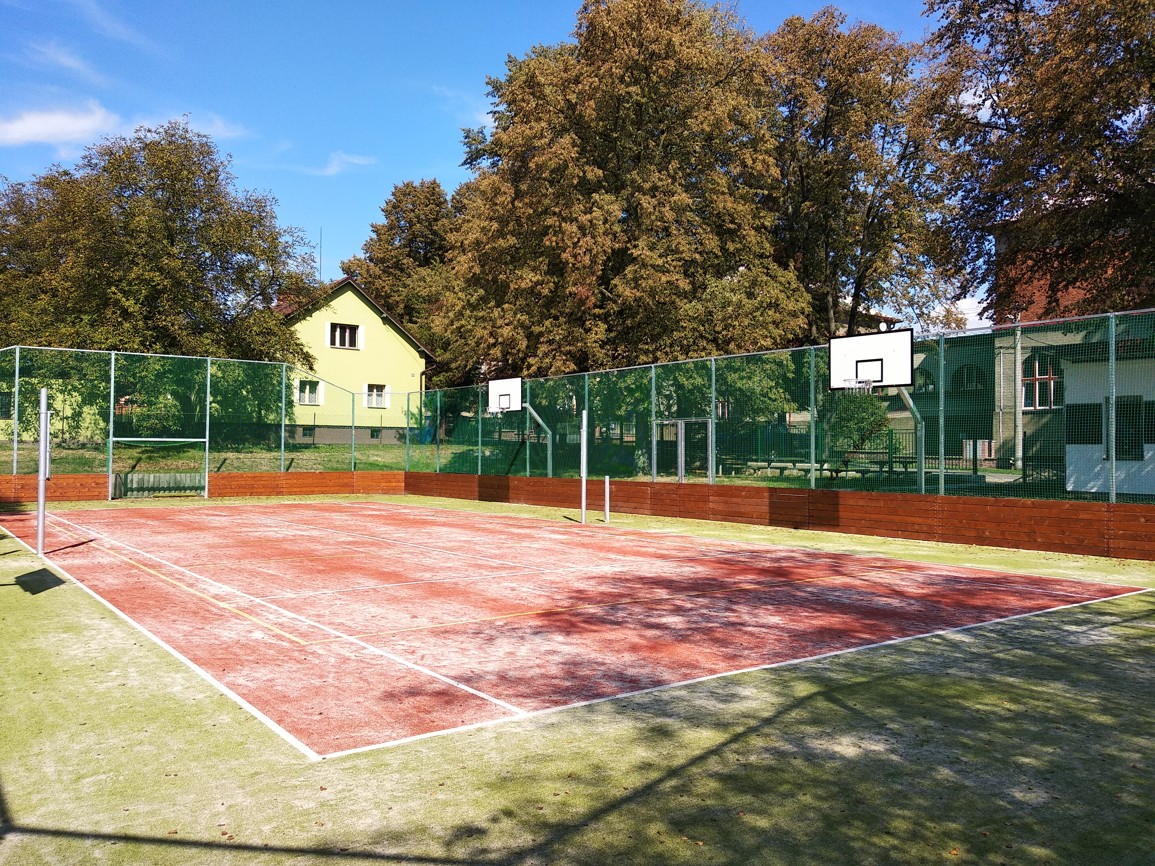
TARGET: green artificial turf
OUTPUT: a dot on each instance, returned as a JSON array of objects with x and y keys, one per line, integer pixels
[{"x": 1024, "y": 742}]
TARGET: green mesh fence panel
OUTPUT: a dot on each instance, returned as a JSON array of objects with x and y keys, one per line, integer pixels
[
  {"x": 1048, "y": 410},
  {"x": 1060, "y": 410},
  {"x": 248, "y": 405},
  {"x": 78, "y": 387},
  {"x": 621, "y": 423}
]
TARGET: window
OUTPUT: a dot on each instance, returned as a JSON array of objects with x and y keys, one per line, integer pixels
[
  {"x": 374, "y": 432},
  {"x": 1128, "y": 428},
  {"x": 377, "y": 396},
  {"x": 309, "y": 392},
  {"x": 923, "y": 381},
  {"x": 308, "y": 432},
  {"x": 1042, "y": 382},
  {"x": 968, "y": 378},
  {"x": 1084, "y": 424},
  {"x": 343, "y": 336}
]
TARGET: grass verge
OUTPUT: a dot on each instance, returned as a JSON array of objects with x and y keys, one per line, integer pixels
[{"x": 1024, "y": 742}]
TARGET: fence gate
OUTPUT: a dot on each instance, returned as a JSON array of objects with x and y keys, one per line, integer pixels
[{"x": 684, "y": 448}]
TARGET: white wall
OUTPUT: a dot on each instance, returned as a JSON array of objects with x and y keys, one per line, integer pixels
[{"x": 1087, "y": 464}]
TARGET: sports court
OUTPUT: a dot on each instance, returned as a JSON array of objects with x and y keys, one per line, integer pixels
[{"x": 346, "y": 625}]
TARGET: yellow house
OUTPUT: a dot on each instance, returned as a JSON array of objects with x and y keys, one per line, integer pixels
[{"x": 366, "y": 364}]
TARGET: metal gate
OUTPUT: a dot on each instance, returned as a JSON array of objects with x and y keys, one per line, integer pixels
[{"x": 684, "y": 448}]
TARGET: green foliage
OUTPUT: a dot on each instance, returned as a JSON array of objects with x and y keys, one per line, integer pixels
[
  {"x": 855, "y": 420},
  {"x": 147, "y": 246},
  {"x": 617, "y": 191},
  {"x": 1049, "y": 120},
  {"x": 860, "y": 194}
]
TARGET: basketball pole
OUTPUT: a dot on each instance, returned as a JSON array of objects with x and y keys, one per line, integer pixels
[
  {"x": 43, "y": 472},
  {"x": 584, "y": 458}
]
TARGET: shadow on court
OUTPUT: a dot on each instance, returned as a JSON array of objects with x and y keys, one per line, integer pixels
[{"x": 36, "y": 582}]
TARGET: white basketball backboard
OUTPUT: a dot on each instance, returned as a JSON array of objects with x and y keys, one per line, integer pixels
[
  {"x": 505, "y": 395},
  {"x": 886, "y": 359}
]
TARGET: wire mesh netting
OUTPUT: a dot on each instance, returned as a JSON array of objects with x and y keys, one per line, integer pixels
[{"x": 1053, "y": 410}]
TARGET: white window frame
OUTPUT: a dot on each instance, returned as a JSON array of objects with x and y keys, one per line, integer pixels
[
  {"x": 358, "y": 336},
  {"x": 320, "y": 395},
  {"x": 378, "y": 396}
]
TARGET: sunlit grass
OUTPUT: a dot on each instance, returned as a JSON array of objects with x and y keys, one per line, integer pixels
[{"x": 1024, "y": 742}]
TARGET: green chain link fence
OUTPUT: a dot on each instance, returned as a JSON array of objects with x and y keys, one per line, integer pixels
[{"x": 1059, "y": 410}]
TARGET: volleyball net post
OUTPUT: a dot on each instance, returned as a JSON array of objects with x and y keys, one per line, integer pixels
[{"x": 44, "y": 470}]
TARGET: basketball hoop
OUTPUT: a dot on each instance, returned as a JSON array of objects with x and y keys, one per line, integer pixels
[{"x": 859, "y": 386}]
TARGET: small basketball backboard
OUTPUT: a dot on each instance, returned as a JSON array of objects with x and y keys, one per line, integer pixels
[
  {"x": 505, "y": 395},
  {"x": 885, "y": 359}
]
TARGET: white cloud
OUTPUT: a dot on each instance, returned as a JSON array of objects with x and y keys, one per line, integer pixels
[
  {"x": 217, "y": 127},
  {"x": 112, "y": 27},
  {"x": 970, "y": 307},
  {"x": 466, "y": 107},
  {"x": 58, "y": 127},
  {"x": 340, "y": 162},
  {"x": 54, "y": 54}
]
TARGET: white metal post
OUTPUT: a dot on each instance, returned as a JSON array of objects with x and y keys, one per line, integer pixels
[
  {"x": 208, "y": 416},
  {"x": 584, "y": 458},
  {"x": 16, "y": 414},
  {"x": 43, "y": 472}
]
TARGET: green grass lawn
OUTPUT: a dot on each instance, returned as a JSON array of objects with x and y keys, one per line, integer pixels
[{"x": 1025, "y": 742}]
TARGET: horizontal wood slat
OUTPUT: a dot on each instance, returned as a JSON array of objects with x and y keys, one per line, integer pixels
[{"x": 1124, "y": 530}]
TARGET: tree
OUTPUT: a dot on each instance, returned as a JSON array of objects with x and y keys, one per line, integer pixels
[
  {"x": 412, "y": 238},
  {"x": 1049, "y": 108},
  {"x": 614, "y": 195},
  {"x": 859, "y": 190},
  {"x": 147, "y": 246}
]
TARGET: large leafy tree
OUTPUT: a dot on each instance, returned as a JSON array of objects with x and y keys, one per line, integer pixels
[
  {"x": 403, "y": 257},
  {"x": 618, "y": 203},
  {"x": 146, "y": 245},
  {"x": 1051, "y": 116},
  {"x": 860, "y": 191}
]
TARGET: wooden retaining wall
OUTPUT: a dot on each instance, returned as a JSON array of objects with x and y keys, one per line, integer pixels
[
  {"x": 1122, "y": 530},
  {"x": 75, "y": 488},
  {"x": 1126, "y": 531}
]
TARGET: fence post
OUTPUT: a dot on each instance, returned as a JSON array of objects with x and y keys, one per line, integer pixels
[
  {"x": 111, "y": 419},
  {"x": 16, "y": 414},
  {"x": 711, "y": 434},
  {"x": 352, "y": 432},
  {"x": 813, "y": 421},
  {"x": 653, "y": 422},
  {"x": 479, "y": 430},
  {"x": 437, "y": 433},
  {"x": 408, "y": 394},
  {"x": 941, "y": 415},
  {"x": 1018, "y": 399},
  {"x": 208, "y": 416},
  {"x": 284, "y": 386},
  {"x": 1112, "y": 420}
]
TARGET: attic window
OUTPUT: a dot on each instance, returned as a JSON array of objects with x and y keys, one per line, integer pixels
[{"x": 343, "y": 336}]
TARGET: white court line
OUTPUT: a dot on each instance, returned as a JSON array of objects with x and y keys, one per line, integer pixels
[
  {"x": 288, "y": 613},
  {"x": 788, "y": 663},
  {"x": 197, "y": 669}
]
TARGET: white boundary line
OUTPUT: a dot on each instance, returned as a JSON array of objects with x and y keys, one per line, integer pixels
[
  {"x": 197, "y": 669},
  {"x": 290, "y": 614},
  {"x": 520, "y": 713},
  {"x": 666, "y": 686}
]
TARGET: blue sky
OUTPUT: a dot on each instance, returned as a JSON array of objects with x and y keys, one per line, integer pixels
[{"x": 325, "y": 105}]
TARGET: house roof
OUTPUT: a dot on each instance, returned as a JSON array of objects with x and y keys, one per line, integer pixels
[{"x": 295, "y": 314}]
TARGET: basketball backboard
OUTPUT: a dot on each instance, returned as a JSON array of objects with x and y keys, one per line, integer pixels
[
  {"x": 505, "y": 395},
  {"x": 886, "y": 359}
]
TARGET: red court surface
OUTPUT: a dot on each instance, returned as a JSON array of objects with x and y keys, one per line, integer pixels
[{"x": 348, "y": 625}]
